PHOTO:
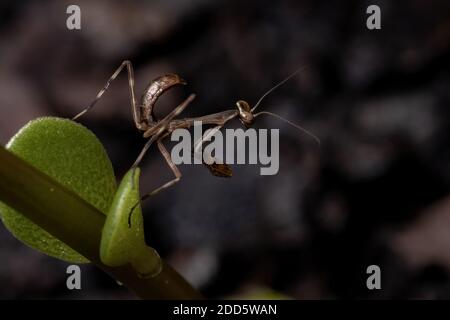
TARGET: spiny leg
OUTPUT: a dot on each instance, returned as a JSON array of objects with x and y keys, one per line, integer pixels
[
  {"x": 134, "y": 107},
  {"x": 206, "y": 137},
  {"x": 157, "y": 131},
  {"x": 165, "y": 122},
  {"x": 135, "y": 165},
  {"x": 172, "y": 166},
  {"x": 219, "y": 119},
  {"x": 197, "y": 148},
  {"x": 159, "y": 135},
  {"x": 142, "y": 154},
  {"x": 143, "y": 151},
  {"x": 216, "y": 168}
]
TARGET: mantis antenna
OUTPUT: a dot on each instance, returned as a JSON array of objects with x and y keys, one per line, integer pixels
[
  {"x": 277, "y": 85},
  {"x": 291, "y": 123}
]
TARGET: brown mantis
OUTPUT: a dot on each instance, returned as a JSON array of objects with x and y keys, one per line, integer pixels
[{"x": 157, "y": 130}]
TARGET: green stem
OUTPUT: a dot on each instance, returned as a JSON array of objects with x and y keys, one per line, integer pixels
[{"x": 69, "y": 218}]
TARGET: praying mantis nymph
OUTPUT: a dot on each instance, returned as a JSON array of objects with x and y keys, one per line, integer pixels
[
  {"x": 157, "y": 129},
  {"x": 124, "y": 220},
  {"x": 71, "y": 154}
]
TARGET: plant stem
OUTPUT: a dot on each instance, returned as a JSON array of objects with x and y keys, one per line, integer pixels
[{"x": 69, "y": 218}]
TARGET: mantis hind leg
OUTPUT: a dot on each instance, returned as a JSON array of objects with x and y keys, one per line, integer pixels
[
  {"x": 216, "y": 166},
  {"x": 134, "y": 107},
  {"x": 172, "y": 166},
  {"x": 168, "y": 184}
]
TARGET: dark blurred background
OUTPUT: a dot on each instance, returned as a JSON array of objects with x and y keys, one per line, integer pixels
[{"x": 375, "y": 192}]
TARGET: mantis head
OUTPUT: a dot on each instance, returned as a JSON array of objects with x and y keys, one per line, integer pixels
[{"x": 245, "y": 113}]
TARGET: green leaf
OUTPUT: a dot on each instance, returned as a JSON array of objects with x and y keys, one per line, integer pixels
[
  {"x": 123, "y": 230},
  {"x": 72, "y": 155},
  {"x": 123, "y": 239},
  {"x": 68, "y": 217}
]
